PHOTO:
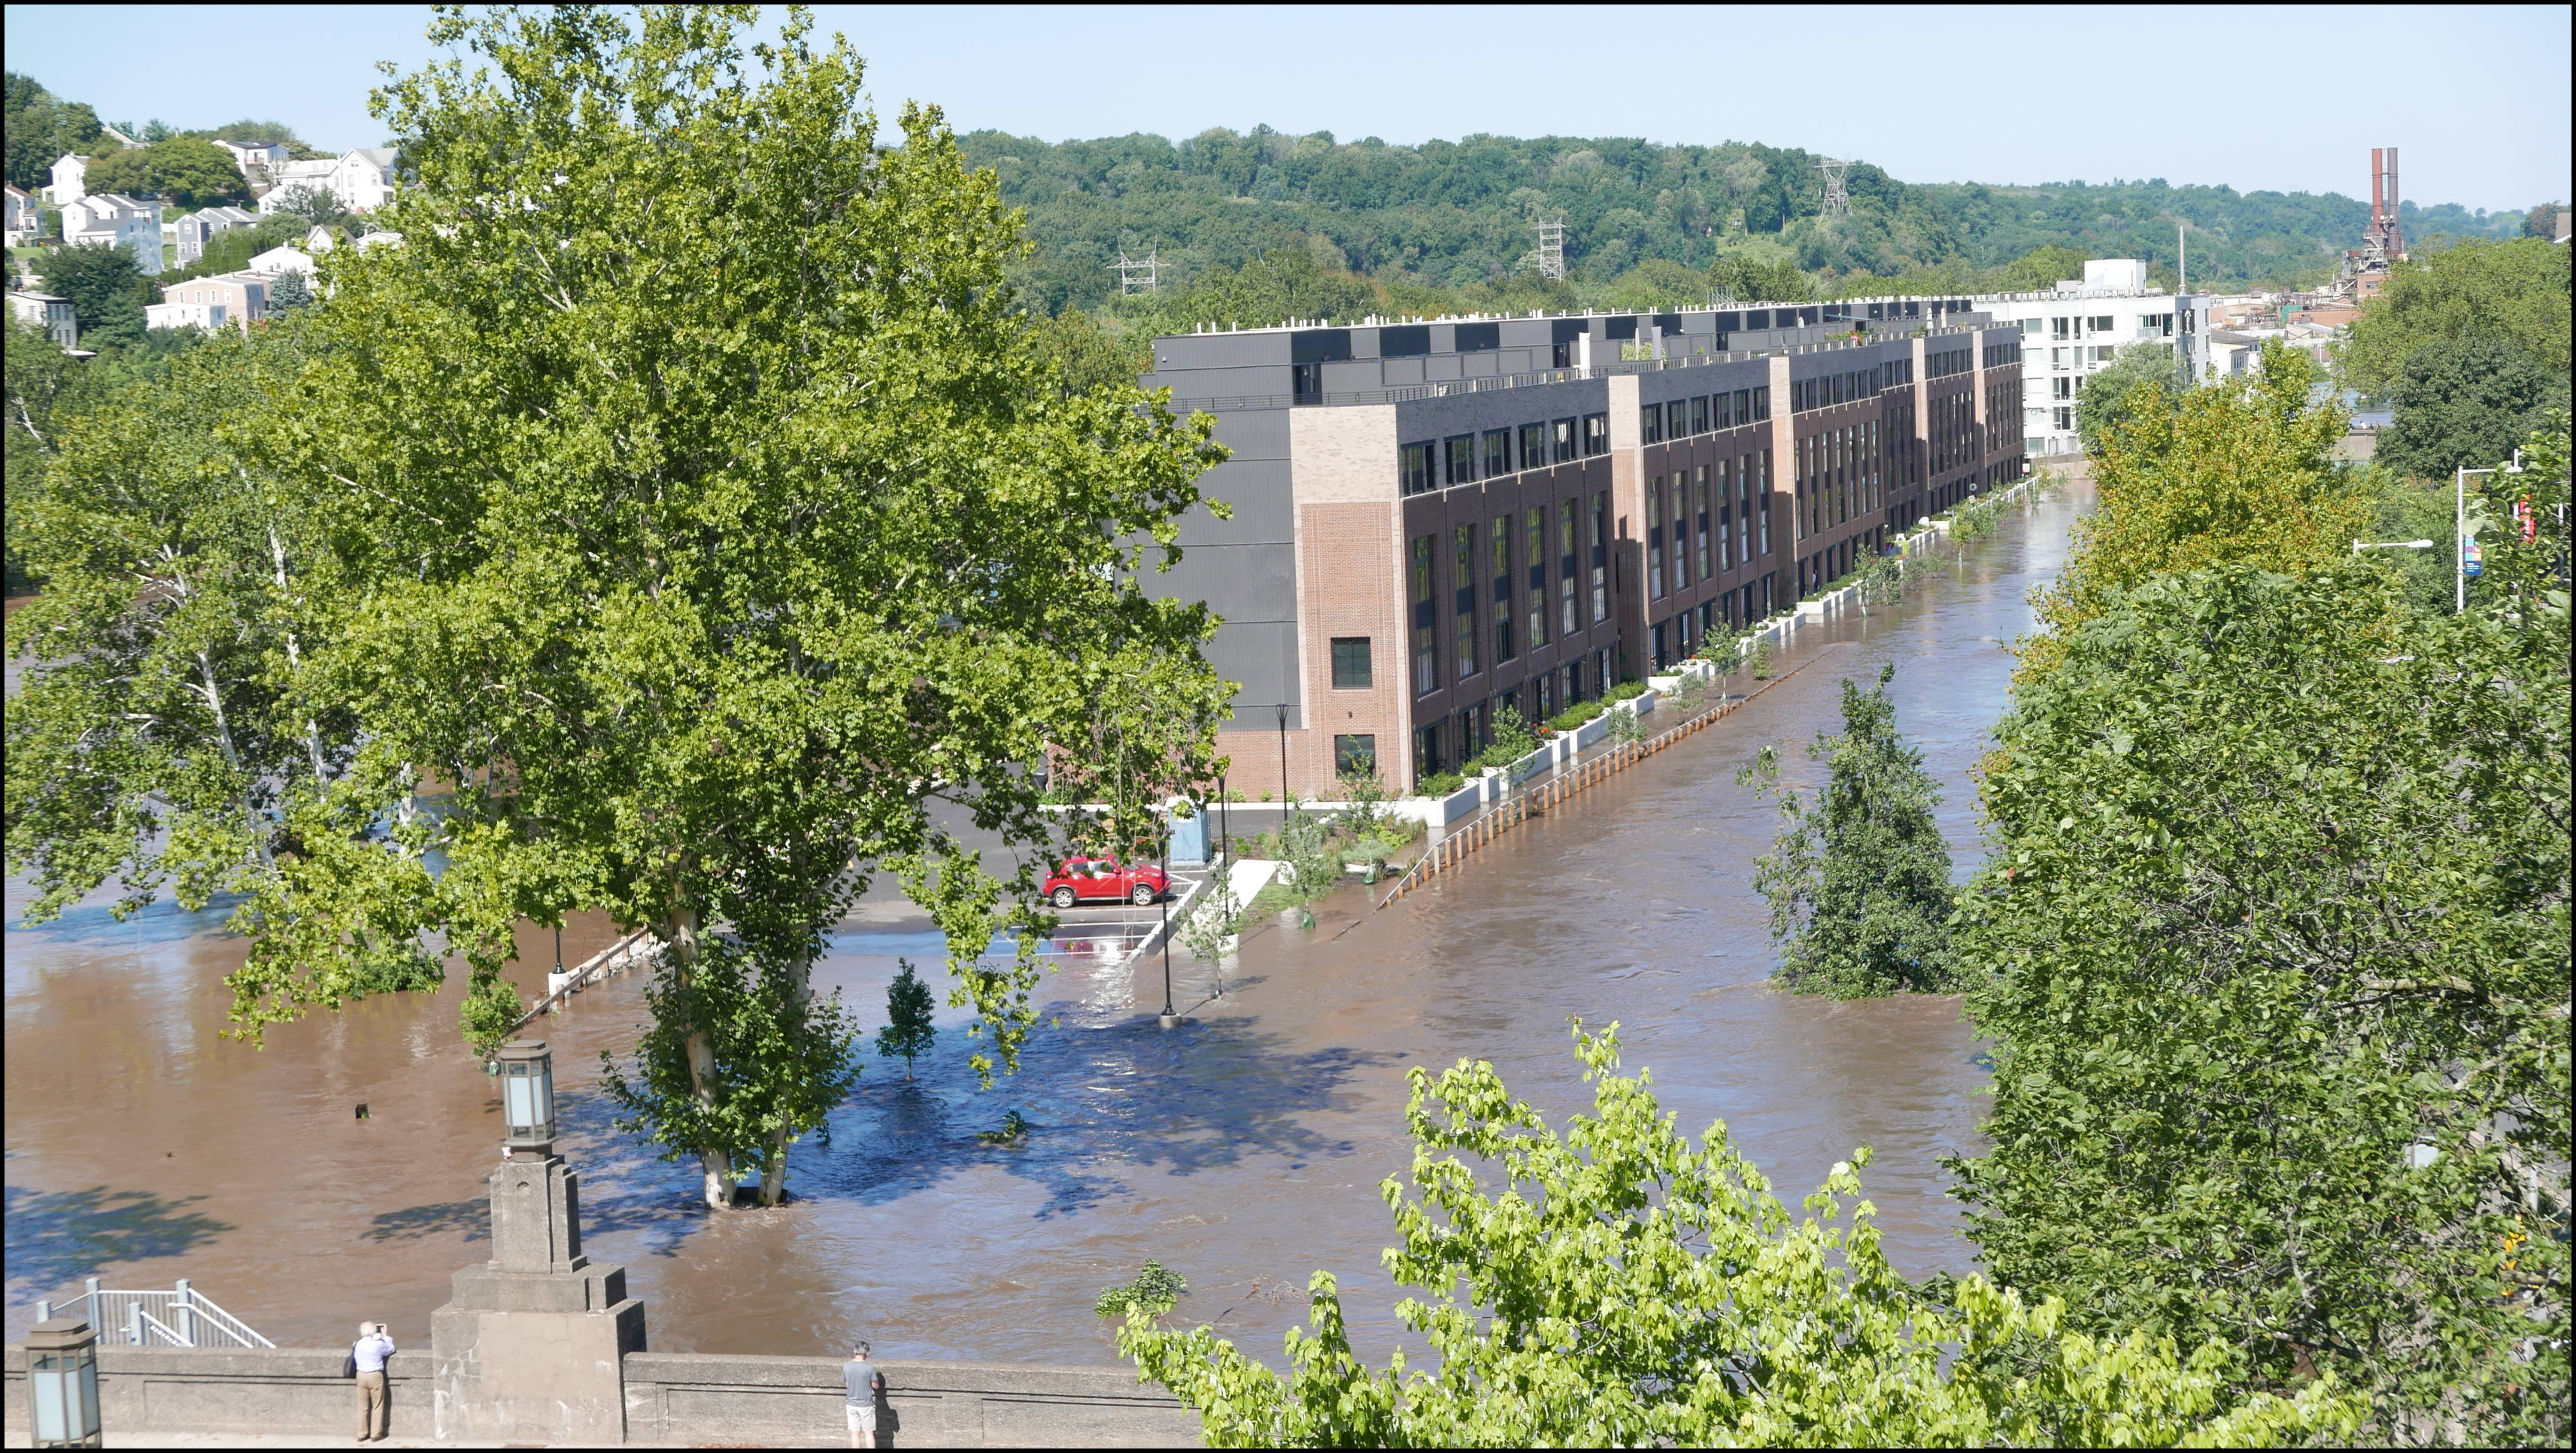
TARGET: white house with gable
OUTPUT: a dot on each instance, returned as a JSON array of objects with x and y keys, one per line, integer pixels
[
  {"x": 360, "y": 181},
  {"x": 255, "y": 158},
  {"x": 67, "y": 186},
  {"x": 112, "y": 219}
]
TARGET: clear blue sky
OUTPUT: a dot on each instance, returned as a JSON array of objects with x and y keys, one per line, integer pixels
[{"x": 2289, "y": 98}]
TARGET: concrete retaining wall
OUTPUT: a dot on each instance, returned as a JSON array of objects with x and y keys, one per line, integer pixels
[
  {"x": 671, "y": 1397},
  {"x": 284, "y": 1390},
  {"x": 695, "y": 1397}
]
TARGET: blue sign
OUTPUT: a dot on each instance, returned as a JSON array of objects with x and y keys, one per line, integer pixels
[{"x": 2472, "y": 558}]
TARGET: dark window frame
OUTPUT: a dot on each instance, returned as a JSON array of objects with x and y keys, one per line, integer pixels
[{"x": 1353, "y": 668}]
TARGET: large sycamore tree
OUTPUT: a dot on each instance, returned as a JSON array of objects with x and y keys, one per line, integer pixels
[{"x": 703, "y": 528}]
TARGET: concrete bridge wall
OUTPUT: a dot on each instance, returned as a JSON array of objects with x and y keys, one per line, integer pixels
[{"x": 671, "y": 1398}]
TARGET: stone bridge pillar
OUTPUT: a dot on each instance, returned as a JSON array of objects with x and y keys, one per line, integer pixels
[{"x": 531, "y": 1347}]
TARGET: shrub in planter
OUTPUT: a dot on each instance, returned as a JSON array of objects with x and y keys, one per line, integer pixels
[
  {"x": 1441, "y": 784},
  {"x": 1628, "y": 690}
]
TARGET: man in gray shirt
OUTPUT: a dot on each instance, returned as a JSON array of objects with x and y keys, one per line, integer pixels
[{"x": 863, "y": 1384}]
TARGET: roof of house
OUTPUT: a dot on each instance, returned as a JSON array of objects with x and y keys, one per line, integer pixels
[
  {"x": 382, "y": 156},
  {"x": 40, "y": 297}
]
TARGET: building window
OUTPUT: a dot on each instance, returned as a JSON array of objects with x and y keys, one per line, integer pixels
[
  {"x": 1355, "y": 755},
  {"x": 1465, "y": 576},
  {"x": 2058, "y": 328},
  {"x": 1426, "y": 649},
  {"x": 1565, "y": 439},
  {"x": 1699, "y": 416},
  {"x": 1498, "y": 453},
  {"x": 1351, "y": 663},
  {"x": 1533, "y": 445},
  {"x": 2066, "y": 421},
  {"x": 1600, "y": 557},
  {"x": 1596, "y": 434},
  {"x": 1461, "y": 460},
  {"x": 2104, "y": 323},
  {"x": 1655, "y": 538},
  {"x": 1701, "y": 510},
  {"x": 1650, "y": 423},
  {"x": 1502, "y": 565},
  {"x": 1414, "y": 470}
]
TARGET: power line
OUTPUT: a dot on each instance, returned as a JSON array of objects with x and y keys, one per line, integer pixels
[{"x": 1138, "y": 275}]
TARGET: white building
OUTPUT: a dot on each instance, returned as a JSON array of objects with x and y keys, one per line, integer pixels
[
  {"x": 2076, "y": 329},
  {"x": 26, "y": 216},
  {"x": 67, "y": 186},
  {"x": 236, "y": 299},
  {"x": 255, "y": 158},
  {"x": 360, "y": 181},
  {"x": 48, "y": 312},
  {"x": 111, "y": 219}
]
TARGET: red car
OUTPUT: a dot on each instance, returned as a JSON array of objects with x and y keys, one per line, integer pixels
[{"x": 1081, "y": 878}]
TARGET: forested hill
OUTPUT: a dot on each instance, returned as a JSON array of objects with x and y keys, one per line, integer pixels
[{"x": 1456, "y": 214}]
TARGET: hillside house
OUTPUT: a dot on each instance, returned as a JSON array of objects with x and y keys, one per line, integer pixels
[
  {"x": 112, "y": 219},
  {"x": 235, "y": 299}
]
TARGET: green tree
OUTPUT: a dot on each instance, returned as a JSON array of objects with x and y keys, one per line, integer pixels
[
  {"x": 312, "y": 206},
  {"x": 2542, "y": 221},
  {"x": 1619, "y": 1285},
  {"x": 1155, "y": 1291},
  {"x": 2517, "y": 291},
  {"x": 716, "y": 523},
  {"x": 186, "y": 170},
  {"x": 106, "y": 288},
  {"x": 2242, "y": 471},
  {"x": 43, "y": 381},
  {"x": 2040, "y": 269},
  {"x": 167, "y": 733},
  {"x": 1086, "y": 356},
  {"x": 1859, "y": 887},
  {"x": 290, "y": 291},
  {"x": 2143, "y": 377},
  {"x": 2465, "y": 401},
  {"x": 909, "y": 1033},
  {"x": 42, "y": 128},
  {"x": 2274, "y": 953}
]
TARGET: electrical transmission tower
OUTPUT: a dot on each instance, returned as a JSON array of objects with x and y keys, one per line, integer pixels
[
  {"x": 1138, "y": 275},
  {"x": 1551, "y": 248},
  {"x": 1837, "y": 200}
]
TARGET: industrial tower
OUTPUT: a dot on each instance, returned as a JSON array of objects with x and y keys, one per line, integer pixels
[
  {"x": 1837, "y": 200},
  {"x": 1550, "y": 255}
]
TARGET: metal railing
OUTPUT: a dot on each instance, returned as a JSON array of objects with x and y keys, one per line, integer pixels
[
  {"x": 614, "y": 959},
  {"x": 178, "y": 1318}
]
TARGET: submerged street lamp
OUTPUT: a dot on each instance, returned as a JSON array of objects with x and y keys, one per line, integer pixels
[
  {"x": 527, "y": 1074},
  {"x": 62, "y": 1384}
]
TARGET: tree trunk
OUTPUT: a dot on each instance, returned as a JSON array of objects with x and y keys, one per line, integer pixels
[
  {"x": 715, "y": 1161},
  {"x": 773, "y": 1169}
]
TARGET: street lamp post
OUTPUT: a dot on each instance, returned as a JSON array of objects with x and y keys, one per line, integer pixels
[
  {"x": 2359, "y": 546},
  {"x": 62, "y": 1384},
  {"x": 1169, "y": 1018},
  {"x": 527, "y": 1097},
  {"x": 1283, "y": 756}
]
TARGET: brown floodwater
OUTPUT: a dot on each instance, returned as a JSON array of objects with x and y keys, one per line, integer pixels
[{"x": 1243, "y": 1150}]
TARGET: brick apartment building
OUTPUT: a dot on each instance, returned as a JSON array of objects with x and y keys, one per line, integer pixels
[{"x": 1433, "y": 521}]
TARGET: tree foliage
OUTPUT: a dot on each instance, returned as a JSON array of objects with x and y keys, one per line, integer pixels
[
  {"x": 719, "y": 519},
  {"x": 106, "y": 288},
  {"x": 1859, "y": 886},
  {"x": 2277, "y": 931},
  {"x": 183, "y": 169},
  {"x": 2242, "y": 471},
  {"x": 2143, "y": 378},
  {"x": 909, "y": 1033},
  {"x": 2465, "y": 401},
  {"x": 42, "y": 128},
  {"x": 1619, "y": 1285},
  {"x": 2516, "y": 291}
]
